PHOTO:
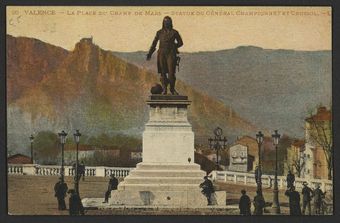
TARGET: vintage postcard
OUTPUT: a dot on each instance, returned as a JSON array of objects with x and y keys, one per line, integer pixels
[{"x": 169, "y": 110}]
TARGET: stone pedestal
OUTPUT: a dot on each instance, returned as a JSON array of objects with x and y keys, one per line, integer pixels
[{"x": 165, "y": 177}]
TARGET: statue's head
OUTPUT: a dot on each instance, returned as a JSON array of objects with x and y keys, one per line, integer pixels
[{"x": 167, "y": 22}]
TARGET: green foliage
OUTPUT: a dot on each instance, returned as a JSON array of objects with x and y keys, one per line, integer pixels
[
  {"x": 119, "y": 141},
  {"x": 46, "y": 146},
  {"x": 102, "y": 159}
]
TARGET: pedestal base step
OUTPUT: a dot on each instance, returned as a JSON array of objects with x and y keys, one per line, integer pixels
[
  {"x": 167, "y": 173},
  {"x": 157, "y": 187},
  {"x": 162, "y": 180},
  {"x": 168, "y": 166},
  {"x": 109, "y": 209},
  {"x": 191, "y": 198}
]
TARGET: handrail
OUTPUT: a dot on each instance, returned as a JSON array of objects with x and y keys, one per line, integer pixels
[
  {"x": 267, "y": 180},
  {"x": 53, "y": 170}
]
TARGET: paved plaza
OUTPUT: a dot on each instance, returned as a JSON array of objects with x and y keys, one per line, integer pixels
[{"x": 34, "y": 195}]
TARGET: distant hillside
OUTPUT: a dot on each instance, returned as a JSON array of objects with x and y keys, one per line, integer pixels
[
  {"x": 90, "y": 89},
  {"x": 272, "y": 88}
]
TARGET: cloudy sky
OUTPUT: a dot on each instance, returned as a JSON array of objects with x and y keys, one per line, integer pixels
[{"x": 202, "y": 28}]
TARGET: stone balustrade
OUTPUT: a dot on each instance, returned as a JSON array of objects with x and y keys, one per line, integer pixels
[
  {"x": 51, "y": 170},
  {"x": 121, "y": 172},
  {"x": 249, "y": 179},
  {"x": 15, "y": 169}
]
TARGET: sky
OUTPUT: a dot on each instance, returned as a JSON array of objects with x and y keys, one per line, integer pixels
[{"x": 130, "y": 29}]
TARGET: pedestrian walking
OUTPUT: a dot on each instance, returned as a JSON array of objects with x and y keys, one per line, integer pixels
[
  {"x": 294, "y": 201},
  {"x": 60, "y": 189},
  {"x": 207, "y": 189},
  {"x": 82, "y": 170},
  {"x": 244, "y": 204},
  {"x": 290, "y": 179},
  {"x": 259, "y": 203},
  {"x": 318, "y": 199},
  {"x": 75, "y": 204},
  {"x": 113, "y": 184},
  {"x": 307, "y": 194}
]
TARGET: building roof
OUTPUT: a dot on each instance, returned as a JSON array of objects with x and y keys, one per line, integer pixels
[
  {"x": 322, "y": 114},
  {"x": 250, "y": 142},
  {"x": 299, "y": 143},
  {"x": 243, "y": 138},
  {"x": 19, "y": 159}
]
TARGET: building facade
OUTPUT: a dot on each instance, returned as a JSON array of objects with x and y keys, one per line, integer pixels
[
  {"x": 295, "y": 158},
  {"x": 239, "y": 158},
  {"x": 252, "y": 151},
  {"x": 318, "y": 135}
]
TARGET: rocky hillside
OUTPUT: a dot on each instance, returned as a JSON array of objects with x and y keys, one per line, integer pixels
[{"x": 93, "y": 90}]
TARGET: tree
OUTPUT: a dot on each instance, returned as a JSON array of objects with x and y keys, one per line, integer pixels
[
  {"x": 46, "y": 147},
  {"x": 298, "y": 164},
  {"x": 319, "y": 133}
]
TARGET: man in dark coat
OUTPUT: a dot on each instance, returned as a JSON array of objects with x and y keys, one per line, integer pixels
[
  {"x": 290, "y": 179},
  {"x": 113, "y": 183},
  {"x": 60, "y": 189},
  {"x": 75, "y": 204},
  {"x": 294, "y": 201},
  {"x": 244, "y": 204},
  {"x": 259, "y": 203},
  {"x": 307, "y": 194},
  {"x": 318, "y": 197},
  {"x": 207, "y": 189},
  {"x": 82, "y": 170},
  {"x": 169, "y": 42}
]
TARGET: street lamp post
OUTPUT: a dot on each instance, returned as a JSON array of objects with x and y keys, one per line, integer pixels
[
  {"x": 276, "y": 204},
  {"x": 76, "y": 179},
  {"x": 62, "y": 137},
  {"x": 259, "y": 139},
  {"x": 216, "y": 143},
  {"x": 32, "y": 139}
]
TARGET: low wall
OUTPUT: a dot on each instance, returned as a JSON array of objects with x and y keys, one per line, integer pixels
[
  {"x": 249, "y": 180},
  {"x": 220, "y": 176},
  {"x": 50, "y": 170}
]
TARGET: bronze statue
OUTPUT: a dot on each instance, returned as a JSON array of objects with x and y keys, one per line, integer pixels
[{"x": 167, "y": 59}]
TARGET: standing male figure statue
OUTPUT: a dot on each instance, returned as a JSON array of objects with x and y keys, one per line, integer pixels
[{"x": 167, "y": 59}]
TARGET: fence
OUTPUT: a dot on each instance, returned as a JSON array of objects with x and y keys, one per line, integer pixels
[
  {"x": 49, "y": 170},
  {"x": 268, "y": 180},
  {"x": 225, "y": 176}
]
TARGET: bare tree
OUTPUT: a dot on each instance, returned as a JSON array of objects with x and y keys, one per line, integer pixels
[
  {"x": 319, "y": 129},
  {"x": 298, "y": 164}
]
